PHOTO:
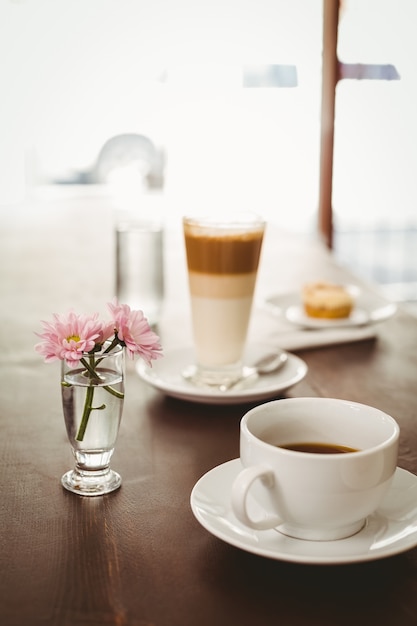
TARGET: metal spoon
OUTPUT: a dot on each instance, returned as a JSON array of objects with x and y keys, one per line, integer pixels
[{"x": 265, "y": 365}]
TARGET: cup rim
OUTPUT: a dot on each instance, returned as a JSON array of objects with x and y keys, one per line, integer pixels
[
  {"x": 392, "y": 439},
  {"x": 234, "y": 219}
]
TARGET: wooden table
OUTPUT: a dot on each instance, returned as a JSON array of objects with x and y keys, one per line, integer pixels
[{"x": 138, "y": 557}]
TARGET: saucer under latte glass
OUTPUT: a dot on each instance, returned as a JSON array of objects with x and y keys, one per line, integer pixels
[{"x": 222, "y": 257}]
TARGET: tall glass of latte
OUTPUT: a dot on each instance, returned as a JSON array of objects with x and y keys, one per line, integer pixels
[{"x": 222, "y": 257}]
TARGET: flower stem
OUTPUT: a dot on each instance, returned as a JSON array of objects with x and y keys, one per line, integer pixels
[
  {"x": 90, "y": 366},
  {"x": 114, "y": 392},
  {"x": 86, "y": 413},
  {"x": 89, "y": 395}
]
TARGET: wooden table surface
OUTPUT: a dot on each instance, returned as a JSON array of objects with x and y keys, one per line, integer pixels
[{"x": 138, "y": 557}]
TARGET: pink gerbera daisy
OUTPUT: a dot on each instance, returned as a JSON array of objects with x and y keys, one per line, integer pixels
[
  {"x": 69, "y": 336},
  {"x": 134, "y": 332}
]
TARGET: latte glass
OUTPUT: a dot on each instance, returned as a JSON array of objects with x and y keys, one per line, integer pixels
[{"x": 222, "y": 257}]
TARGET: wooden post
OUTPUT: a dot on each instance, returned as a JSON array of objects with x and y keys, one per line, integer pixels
[{"x": 330, "y": 77}]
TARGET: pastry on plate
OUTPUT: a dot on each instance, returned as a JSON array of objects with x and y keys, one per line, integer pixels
[{"x": 327, "y": 301}]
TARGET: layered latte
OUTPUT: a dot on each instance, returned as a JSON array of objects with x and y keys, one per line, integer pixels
[{"x": 222, "y": 262}]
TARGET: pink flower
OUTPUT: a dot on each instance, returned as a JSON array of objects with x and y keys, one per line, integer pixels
[
  {"x": 106, "y": 332},
  {"x": 134, "y": 332},
  {"x": 69, "y": 336}
]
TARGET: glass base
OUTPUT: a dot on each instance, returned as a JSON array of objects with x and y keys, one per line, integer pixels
[
  {"x": 220, "y": 379},
  {"x": 93, "y": 483}
]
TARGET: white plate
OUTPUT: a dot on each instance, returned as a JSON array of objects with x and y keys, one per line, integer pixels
[
  {"x": 392, "y": 529},
  {"x": 370, "y": 308},
  {"x": 165, "y": 375}
]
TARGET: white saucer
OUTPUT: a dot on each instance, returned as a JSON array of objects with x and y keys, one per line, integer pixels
[
  {"x": 392, "y": 529},
  {"x": 370, "y": 308},
  {"x": 165, "y": 375}
]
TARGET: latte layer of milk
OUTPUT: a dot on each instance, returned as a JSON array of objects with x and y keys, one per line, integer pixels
[{"x": 221, "y": 308}]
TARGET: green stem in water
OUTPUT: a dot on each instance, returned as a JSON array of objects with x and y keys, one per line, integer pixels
[
  {"x": 86, "y": 413},
  {"x": 90, "y": 366},
  {"x": 114, "y": 392}
]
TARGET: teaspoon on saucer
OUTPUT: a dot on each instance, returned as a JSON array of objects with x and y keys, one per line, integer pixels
[{"x": 265, "y": 365}]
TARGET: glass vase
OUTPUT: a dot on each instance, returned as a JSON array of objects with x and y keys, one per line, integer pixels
[{"x": 92, "y": 401}]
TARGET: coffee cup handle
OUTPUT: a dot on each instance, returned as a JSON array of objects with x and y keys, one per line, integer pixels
[{"x": 240, "y": 492}]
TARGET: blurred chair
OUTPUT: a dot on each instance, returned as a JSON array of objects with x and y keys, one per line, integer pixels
[{"x": 133, "y": 152}]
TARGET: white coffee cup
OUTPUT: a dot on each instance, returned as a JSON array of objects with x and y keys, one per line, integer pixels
[{"x": 309, "y": 495}]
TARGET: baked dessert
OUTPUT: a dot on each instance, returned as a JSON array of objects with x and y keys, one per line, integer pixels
[{"x": 327, "y": 300}]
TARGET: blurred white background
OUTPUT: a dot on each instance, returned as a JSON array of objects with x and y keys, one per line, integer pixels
[
  {"x": 75, "y": 73},
  {"x": 79, "y": 72}
]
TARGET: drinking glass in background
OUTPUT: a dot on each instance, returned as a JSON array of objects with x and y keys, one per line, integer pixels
[
  {"x": 222, "y": 257},
  {"x": 139, "y": 266}
]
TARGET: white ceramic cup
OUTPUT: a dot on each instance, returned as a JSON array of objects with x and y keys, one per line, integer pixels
[{"x": 313, "y": 496}]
